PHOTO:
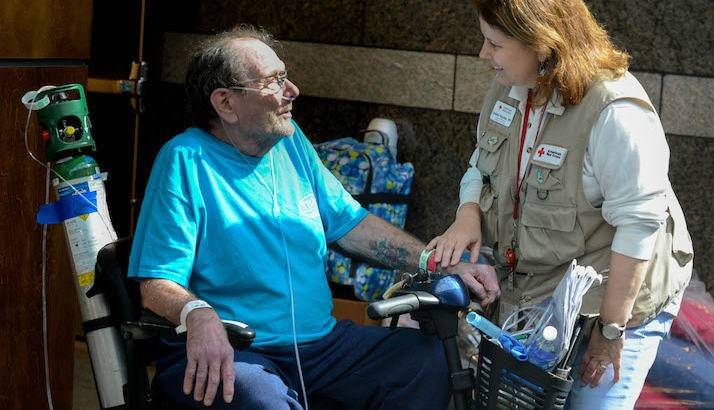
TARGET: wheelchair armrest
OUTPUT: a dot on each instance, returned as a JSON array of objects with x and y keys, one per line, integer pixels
[{"x": 240, "y": 335}]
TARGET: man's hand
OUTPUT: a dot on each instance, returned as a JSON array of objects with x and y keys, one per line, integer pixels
[
  {"x": 481, "y": 280},
  {"x": 210, "y": 357},
  {"x": 601, "y": 352},
  {"x": 464, "y": 233}
]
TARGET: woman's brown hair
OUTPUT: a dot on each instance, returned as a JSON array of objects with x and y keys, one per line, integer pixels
[{"x": 576, "y": 48}]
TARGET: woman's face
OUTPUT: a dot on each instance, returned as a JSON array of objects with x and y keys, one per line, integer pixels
[{"x": 514, "y": 62}]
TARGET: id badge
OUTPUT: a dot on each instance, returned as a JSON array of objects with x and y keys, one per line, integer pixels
[{"x": 502, "y": 113}]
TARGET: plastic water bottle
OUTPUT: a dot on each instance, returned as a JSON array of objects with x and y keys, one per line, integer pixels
[{"x": 543, "y": 348}]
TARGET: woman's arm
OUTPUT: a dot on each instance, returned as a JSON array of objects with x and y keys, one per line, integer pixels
[
  {"x": 626, "y": 162},
  {"x": 465, "y": 232},
  {"x": 626, "y": 275},
  {"x": 623, "y": 284}
]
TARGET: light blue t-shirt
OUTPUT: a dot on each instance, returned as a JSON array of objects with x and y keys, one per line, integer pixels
[{"x": 230, "y": 227}]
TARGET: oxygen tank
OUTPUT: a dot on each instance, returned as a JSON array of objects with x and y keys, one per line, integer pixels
[{"x": 81, "y": 208}]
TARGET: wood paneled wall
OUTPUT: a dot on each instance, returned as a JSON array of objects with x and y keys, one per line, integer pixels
[
  {"x": 39, "y": 29},
  {"x": 22, "y": 183},
  {"x": 44, "y": 42}
]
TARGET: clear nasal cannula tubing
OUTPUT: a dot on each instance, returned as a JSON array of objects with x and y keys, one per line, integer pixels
[
  {"x": 276, "y": 214},
  {"x": 276, "y": 209}
]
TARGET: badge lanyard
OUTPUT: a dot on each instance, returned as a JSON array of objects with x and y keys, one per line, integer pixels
[{"x": 511, "y": 252}]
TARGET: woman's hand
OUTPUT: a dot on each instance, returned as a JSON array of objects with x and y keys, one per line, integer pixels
[
  {"x": 624, "y": 281},
  {"x": 600, "y": 354},
  {"x": 464, "y": 233}
]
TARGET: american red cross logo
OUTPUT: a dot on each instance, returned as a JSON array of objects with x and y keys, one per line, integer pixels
[{"x": 541, "y": 152}]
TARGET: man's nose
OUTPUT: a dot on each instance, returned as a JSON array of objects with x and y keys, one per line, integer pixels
[{"x": 291, "y": 90}]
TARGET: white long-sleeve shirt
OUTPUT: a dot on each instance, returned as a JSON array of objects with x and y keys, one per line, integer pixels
[{"x": 624, "y": 171}]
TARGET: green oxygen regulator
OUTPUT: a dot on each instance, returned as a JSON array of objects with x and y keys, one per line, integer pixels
[{"x": 67, "y": 130}]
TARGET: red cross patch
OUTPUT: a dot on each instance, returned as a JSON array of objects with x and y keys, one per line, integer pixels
[{"x": 550, "y": 156}]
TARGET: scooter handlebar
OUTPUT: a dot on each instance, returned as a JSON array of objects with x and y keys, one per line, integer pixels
[
  {"x": 393, "y": 306},
  {"x": 401, "y": 304}
]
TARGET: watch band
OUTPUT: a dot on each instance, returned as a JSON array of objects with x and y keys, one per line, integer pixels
[{"x": 188, "y": 308}]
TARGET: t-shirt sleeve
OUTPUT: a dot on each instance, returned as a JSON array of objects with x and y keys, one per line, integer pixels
[
  {"x": 165, "y": 240},
  {"x": 339, "y": 211},
  {"x": 471, "y": 183}
]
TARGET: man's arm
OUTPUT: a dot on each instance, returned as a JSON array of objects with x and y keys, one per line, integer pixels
[
  {"x": 378, "y": 241},
  {"x": 210, "y": 355}
]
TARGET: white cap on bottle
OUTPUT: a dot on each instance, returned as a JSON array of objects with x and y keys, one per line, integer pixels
[{"x": 550, "y": 333}]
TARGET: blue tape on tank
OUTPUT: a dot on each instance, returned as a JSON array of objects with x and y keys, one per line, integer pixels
[{"x": 67, "y": 207}]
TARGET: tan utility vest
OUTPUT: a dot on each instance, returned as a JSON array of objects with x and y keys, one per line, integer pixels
[{"x": 557, "y": 223}]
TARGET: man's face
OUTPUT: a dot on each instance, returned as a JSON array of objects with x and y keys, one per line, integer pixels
[{"x": 263, "y": 114}]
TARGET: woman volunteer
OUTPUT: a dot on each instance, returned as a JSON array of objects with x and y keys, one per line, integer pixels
[{"x": 571, "y": 163}]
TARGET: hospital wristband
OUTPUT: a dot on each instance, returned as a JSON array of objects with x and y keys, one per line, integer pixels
[
  {"x": 424, "y": 258},
  {"x": 188, "y": 308}
]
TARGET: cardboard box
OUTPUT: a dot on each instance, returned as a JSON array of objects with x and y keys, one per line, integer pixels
[{"x": 354, "y": 310}]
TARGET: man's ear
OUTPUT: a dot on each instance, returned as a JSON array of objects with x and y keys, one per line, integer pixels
[{"x": 221, "y": 102}]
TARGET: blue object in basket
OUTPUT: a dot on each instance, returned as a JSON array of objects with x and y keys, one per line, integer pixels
[
  {"x": 513, "y": 346},
  {"x": 508, "y": 342}
]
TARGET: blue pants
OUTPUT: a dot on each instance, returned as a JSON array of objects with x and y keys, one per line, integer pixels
[
  {"x": 353, "y": 367},
  {"x": 640, "y": 351}
]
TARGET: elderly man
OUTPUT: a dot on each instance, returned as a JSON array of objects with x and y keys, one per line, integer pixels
[{"x": 235, "y": 223}]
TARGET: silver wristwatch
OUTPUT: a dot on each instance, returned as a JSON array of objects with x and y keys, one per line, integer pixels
[{"x": 610, "y": 331}]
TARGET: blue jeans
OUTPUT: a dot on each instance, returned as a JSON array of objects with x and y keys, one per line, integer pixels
[{"x": 640, "y": 350}]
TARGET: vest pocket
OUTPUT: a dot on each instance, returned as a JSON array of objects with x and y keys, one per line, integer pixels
[
  {"x": 549, "y": 234},
  {"x": 489, "y": 144},
  {"x": 542, "y": 186},
  {"x": 489, "y": 220},
  {"x": 682, "y": 249}
]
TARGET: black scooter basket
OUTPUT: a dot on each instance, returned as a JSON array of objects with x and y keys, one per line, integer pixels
[{"x": 502, "y": 382}]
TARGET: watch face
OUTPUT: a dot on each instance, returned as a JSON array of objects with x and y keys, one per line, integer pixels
[{"x": 611, "y": 332}]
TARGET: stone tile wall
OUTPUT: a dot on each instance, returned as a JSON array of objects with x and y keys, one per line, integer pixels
[{"x": 416, "y": 61}]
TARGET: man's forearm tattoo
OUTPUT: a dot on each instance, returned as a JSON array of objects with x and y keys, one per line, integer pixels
[{"x": 390, "y": 255}]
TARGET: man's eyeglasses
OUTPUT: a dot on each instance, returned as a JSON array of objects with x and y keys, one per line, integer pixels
[{"x": 268, "y": 85}]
